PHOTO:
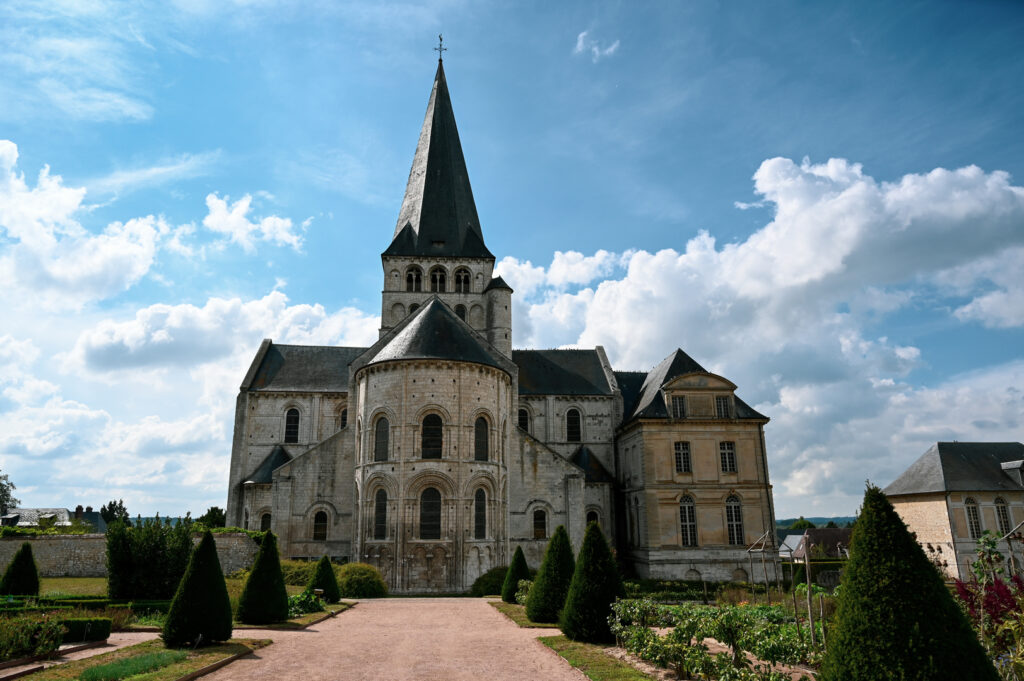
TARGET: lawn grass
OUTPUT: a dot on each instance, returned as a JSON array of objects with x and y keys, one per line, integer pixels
[
  {"x": 592, "y": 660},
  {"x": 517, "y": 613},
  {"x": 195, "y": 660},
  {"x": 73, "y": 586}
]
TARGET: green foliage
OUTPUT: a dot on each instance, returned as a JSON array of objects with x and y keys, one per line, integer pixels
[
  {"x": 21, "y": 577},
  {"x": 132, "y": 666},
  {"x": 489, "y": 583},
  {"x": 76, "y": 527},
  {"x": 359, "y": 580},
  {"x": 86, "y": 629},
  {"x": 517, "y": 571},
  {"x": 304, "y": 603},
  {"x": 895, "y": 618},
  {"x": 200, "y": 613},
  {"x": 324, "y": 578},
  {"x": 214, "y": 517},
  {"x": 115, "y": 512},
  {"x": 7, "y": 500},
  {"x": 264, "y": 598},
  {"x": 802, "y": 524},
  {"x": 523, "y": 591},
  {"x": 595, "y": 586},
  {"x": 551, "y": 586},
  {"x": 148, "y": 560},
  {"x": 24, "y": 636}
]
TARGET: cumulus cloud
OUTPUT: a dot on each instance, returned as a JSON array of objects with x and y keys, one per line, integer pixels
[
  {"x": 587, "y": 45},
  {"x": 232, "y": 222}
]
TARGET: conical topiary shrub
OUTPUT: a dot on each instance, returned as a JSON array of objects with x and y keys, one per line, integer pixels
[
  {"x": 21, "y": 577},
  {"x": 516, "y": 571},
  {"x": 264, "y": 598},
  {"x": 324, "y": 578},
  {"x": 595, "y": 586},
  {"x": 200, "y": 613},
  {"x": 895, "y": 618},
  {"x": 547, "y": 596}
]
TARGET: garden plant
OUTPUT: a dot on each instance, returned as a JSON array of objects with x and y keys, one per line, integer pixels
[
  {"x": 595, "y": 586},
  {"x": 551, "y": 585},
  {"x": 200, "y": 613},
  {"x": 21, "y": 577},
  {"x": 517, "y": 571},
  {"x": 325, "y": 580},
  {"x": 264, "y": 598},
  {"x": 359, "y": 580}
]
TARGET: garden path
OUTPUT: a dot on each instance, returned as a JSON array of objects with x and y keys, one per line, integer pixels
[{"x": 420, "y": 639}]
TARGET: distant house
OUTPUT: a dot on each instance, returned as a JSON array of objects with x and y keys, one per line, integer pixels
[
  {"x": 956, "y": 491},
  {"x": 52, "y": 517},
  {"x": 829, "y": 547}
]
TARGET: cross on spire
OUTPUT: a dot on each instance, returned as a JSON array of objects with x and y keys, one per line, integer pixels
[{"x": 440, "y": 49}]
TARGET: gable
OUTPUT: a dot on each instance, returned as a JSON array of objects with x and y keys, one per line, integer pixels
[{"x": 700, "y": 381}]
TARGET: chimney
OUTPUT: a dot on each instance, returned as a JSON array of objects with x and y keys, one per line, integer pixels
[
  {"x": 88, "y": 509},
  {"x": 78, "y": 512}
]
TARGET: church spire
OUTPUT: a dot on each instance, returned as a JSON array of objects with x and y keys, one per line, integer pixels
[{"x": 438, "y": 216}]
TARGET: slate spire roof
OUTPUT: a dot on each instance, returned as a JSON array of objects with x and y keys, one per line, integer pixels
[{"x": 438, "y": 216}]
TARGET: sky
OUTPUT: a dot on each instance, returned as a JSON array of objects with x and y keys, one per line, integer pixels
[{"x": 822, "y": 202}]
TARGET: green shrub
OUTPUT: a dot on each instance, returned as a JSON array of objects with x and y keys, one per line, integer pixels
[
  {"x": 147, "y": 560},
  {"x": 517, "y": 571},
  {"x": 359, "y": 580},
  {"x": 24, "y": 636},
  {"x": 895, "y": 617},
  {"x": 551, "y": 586},
  {"x": 298, "y": 572},
  {"x": 86, "y": 629},
  {"x": 200, "y": 612},
  {"x": 325, "y": 579},
  {"x": 264, "y": 598},
  {"x": 21, "y": 577},
  {"x": 595, "y": 586},
  {"x": 523, "y": 591},
  {"x": 304, "y": 603},
  {"x": 132, "y": 666},
  {"x": 490, "y": 582}
]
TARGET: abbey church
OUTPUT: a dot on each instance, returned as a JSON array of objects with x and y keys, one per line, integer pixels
[{"x": 438, "y": 450}]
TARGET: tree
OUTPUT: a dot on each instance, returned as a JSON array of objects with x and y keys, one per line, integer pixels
[
  {"x": 595, "y": 586},
  {"x": 517, "y": 571},
  {"x": 214, "y": 517},
  {"x": 7, "y": 500},
  {"x": 115, "y": 511},
  {"x": 324, "y": 578},
  {"x": 21, "y": 577},
  {"x": 831, "y": 525},
  {"x": 802, "y": 524},
  {"x": 264, "y": 598},
  {"x": 200, "y": 612},
  {"x": 895, "y": 618},
  {"x": 120, "y": 564},
  {"x": 547, "y": 596}
]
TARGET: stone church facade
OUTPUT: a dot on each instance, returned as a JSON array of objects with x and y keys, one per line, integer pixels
[{"x": 436, "y": 451}]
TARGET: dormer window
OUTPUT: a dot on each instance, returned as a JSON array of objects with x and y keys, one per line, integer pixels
[
  {"x": 722, "y": 407},
  {"x": 678, "y": 407}
]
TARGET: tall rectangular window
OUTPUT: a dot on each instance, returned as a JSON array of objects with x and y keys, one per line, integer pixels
[
  {"x": 973, "y": 518},
  {"x": 682, "y": 453},
  {"x": 734, "y": 520},
  {"x": 1002, "y": 516},
  {"x": 678, "y": 407},
  {"x": 722, "y": 407},
  {"x": 727, "y": 450},
  {"x": 688, "y": 521}
]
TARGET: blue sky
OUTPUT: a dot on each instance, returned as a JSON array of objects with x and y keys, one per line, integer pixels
[{"x": 821, "y": 201}]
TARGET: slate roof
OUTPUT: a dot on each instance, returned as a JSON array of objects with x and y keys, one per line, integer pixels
[
  {"x": 435, "y": 332},
  {"x": 630, "y": 384},
  {"x": 834, "y": 540},
  {"x": 264, "y": 473},
  {"x": 497, "y": 282},
  {"x": 29, "y": 517},
  {"x": 960, "y": 467},
  {"x": 561, "y": 372},
  {"x": 438, "y": 215},
  {"x": 304, "y": 368},
  {"x": 593, "y": 471}
]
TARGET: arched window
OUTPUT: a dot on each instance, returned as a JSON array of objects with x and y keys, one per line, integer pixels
[
  {"x": 1002, "y": 516},
  {"x": 593, "y": 517},
  {"x": 265, "y": 522},
  {"x": 460, "y": 311},
  {"x": 380, "y": 515},
  {"x": 572, "y": 425},
  {"x": 343, "y": 419},
  {"x": 437, "y": 280},
  {"x": 973, "y": 518},
  {"x": 381, "y": 435},
  {"x": 480, "y": 515},
  {"x": 480, "y": 444},
  {"x": 432, "y": 437},
  {"x": 688, "y": 521},
  {"x": 413, "y": 307},
  {"x": 524, "y": 420},
  {"x": 734, "y": 520},
  {"x": 320, "y": 526},
  {"x": 414, "y": 279},
  {"x": 462, "y": 280},
  {"x": 430, "y": 514},
  {"x": 540, "y": 524},
  {"x": 291, "y": 426}
]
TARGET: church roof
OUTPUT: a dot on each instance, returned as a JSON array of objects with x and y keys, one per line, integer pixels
[
  {"x": 960, "y": 467},
  {"x": 301, "y": 368},
  {"x": 264, "y": 473},
  {"x": 593, "y": 471},
  {"x": 438, "y": 215},
  {"x": 561, "y": 372},
  {"x": 497, "y": 282},
  {"x": 435, "y": 332}
]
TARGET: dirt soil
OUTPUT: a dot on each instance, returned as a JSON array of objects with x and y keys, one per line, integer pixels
[{"x": 421, "y": 639}]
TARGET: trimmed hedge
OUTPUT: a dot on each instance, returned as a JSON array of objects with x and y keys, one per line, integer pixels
[
  {"x": 21, "y": 577},
  {"x": 517, "y": 571},
  {"x": 29, "y": 609},
  {"x": 264, "y": 598},
  {"x": 200, "y": 612},
  {"x": 551, "y": 586},
  {"x": 595, "y": 586},
  {"x": 325, "y": 579},
  {"x": 490, "y": 582},
  {"x": 87, "y": 629},
  {"x": 359, "y": 580}
]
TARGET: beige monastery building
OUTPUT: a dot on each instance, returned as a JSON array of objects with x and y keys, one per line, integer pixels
[{"x": 435, "y": 452}]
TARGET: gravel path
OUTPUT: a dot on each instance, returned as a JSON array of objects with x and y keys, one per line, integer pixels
[{"x": 442, "y": 639}]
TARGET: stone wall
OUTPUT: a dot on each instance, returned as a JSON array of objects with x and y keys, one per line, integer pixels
[{"x": 85, "y": 555}]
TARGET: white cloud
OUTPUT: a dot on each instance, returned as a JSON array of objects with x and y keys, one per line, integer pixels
[
  {"x": 587, "y": 45},
  {"x": 232, "y": 222},
  {"x": 168, "y": 170}
]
